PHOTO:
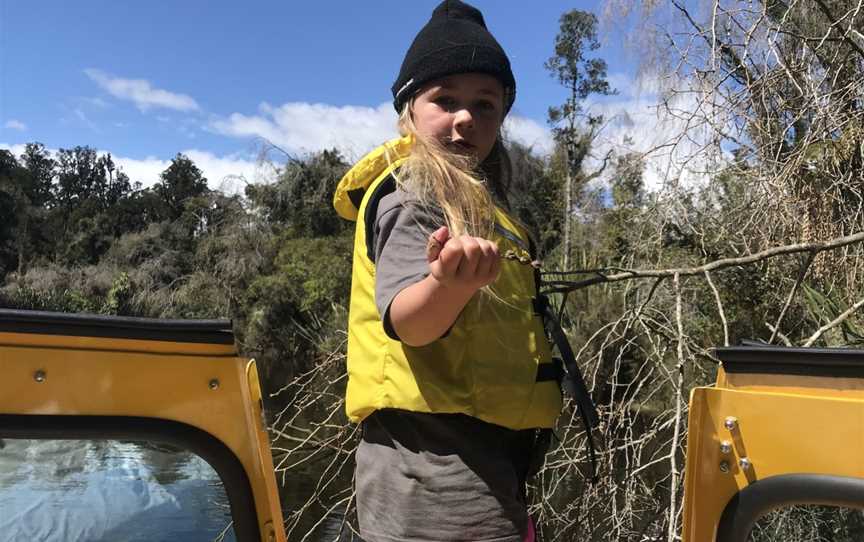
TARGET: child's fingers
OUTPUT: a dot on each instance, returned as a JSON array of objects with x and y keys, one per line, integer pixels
[
  {"x": 444, "y": 268},
  {"x": 470, "y": 262},
  {"x": 436, "y": 243},
  {"x": 487, "y": 268}
]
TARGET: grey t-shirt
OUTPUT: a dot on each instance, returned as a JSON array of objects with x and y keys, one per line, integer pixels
[
  {"x": 432, "y": 477},
  {"x": 402, "y": 229}
]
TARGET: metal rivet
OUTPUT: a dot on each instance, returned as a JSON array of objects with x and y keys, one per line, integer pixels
[
  {"x": 730, "y": 422},
  {"x": 39, "y": 376},
  {"x": 214, "y": 384},
  {"x": 725, "y": 447},
  {"x": 744, "y": 463},
  {"x": 724, "y": 466}
]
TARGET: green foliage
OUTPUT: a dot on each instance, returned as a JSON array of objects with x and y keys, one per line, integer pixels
[
  {"x": 628, "y": 197},
  {"x": 83, "y": 176},
  {"x": 823, "y": 308},
  {"x": 302, "y": 197},
  {"x": 180, "y": 182},
  {"x": 535, "y": 197},
  {"x": 41, "y": 300},
  {"x": 11, "y": 201},
  {"x": 291, "y": 307},
  {"x": 118, "y": 300}
]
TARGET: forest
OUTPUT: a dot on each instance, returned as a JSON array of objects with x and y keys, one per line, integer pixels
[{"x": 754, "y": 233}]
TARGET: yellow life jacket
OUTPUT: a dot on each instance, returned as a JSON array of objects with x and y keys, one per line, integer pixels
[{"x": 490, "y": 363}]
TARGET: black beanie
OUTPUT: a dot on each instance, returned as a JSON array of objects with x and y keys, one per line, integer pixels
[{"x": 455, "y": 40}]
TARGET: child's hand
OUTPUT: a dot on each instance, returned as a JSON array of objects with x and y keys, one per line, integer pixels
[{"x": 468, "y": 262}]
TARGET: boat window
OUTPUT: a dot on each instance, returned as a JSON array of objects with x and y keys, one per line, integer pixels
[
  {"x": 109, "y": 490},
  {"x": 810, "y": 523}
]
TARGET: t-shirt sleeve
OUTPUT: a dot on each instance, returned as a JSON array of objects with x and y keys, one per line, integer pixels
[{"x": 400, "y": 236}]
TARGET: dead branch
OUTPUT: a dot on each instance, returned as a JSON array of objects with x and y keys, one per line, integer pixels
[
  {"x": 834, "y": 323},
  {"x": 804, "y": 267},
  {"x": 627, "y": 274}
]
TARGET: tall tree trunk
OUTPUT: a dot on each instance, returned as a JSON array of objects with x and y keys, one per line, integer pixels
[{"x": 568, "y": 194}]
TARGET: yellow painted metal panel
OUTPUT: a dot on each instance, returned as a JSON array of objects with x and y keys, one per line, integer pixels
[
  {"x": 202, "y": 385},
  {"x": 778, "y": 432},
  {"x": 821, "y": 386}
]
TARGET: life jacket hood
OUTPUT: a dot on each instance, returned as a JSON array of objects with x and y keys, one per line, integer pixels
[{"x": 351, "y": 189}]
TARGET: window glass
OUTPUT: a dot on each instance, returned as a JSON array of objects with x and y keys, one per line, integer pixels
[
  {"x": 810, "y": 523},
  {"x": 108, "y": 490}
]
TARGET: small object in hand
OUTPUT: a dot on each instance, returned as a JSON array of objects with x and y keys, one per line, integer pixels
[
  {"x": 522, "y": 257},
  {"x": 433, "y": 247}
]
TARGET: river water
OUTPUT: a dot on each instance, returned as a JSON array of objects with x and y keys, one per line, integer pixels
[
  {"x": 75, "y": 490},
  {"x": 85, "y": 490}
]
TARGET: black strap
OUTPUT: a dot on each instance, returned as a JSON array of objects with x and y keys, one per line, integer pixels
[
  {"x": 547, "y": 372},
  {"x": 572, "y": 381}
]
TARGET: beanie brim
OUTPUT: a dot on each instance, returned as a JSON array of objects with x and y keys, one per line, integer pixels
[{"x": 457, "y": 60}]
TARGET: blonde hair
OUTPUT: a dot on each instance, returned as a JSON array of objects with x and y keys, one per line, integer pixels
[{"x": 456, "y": 183}]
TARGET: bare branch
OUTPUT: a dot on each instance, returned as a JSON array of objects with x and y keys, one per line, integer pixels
[
  {"x": 627, "y": 274},
  {"x": 824, "y": 8},
  {"x": 804, "y": 267},
  {"x": 719, "y": 308},
  {"x": 834, "y": 323},
  {"x": 782, "y": 337},
  {"x": 676, "y": 435}
]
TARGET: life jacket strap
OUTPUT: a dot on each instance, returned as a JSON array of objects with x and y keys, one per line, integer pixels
[
  {"x": 547, "y": 372},
  {"x": 572, "y": 380}
]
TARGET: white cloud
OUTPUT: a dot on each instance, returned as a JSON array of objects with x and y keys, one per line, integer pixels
[
  {"x": 13, "y": 124},
  {"x": 635, "y": 122},
  {"x": 96, "y": 102},
  {"x": 79, "y": 113},
  {"x": 228, "y": 173},
  {"x": 529, "y": 133},
  {"x": 17, "y": 149},
  {"x": 299, "y": 127},
  {"x": 141, "y": 92}
]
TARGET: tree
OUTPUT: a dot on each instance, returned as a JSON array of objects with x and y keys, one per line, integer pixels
[
  {"x": 13, "y": 203},
  {"x": 40, "y": 174},
  {"x": 302, "y": 198},
  {"x": 573, "y": 130},
  {"x": 181, "y": 181},
  {"x": 534, "y": 197},
  {"x": 80, "y": 177}
]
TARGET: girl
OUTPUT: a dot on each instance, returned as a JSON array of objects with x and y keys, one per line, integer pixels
[{"x": 449, "y": 368}]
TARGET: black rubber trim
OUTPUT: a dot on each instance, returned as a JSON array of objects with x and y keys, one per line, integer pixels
[
  {"x": 184, "y": 436},
  {"x": 830, "y": 362},
  {"x": 385, "y": 187},
  {"x": 116, "y": 327},
  {"x": 763, "y": 496}
]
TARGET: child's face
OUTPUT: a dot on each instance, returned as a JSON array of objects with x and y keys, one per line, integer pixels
[{"x": 463, "y": 112}]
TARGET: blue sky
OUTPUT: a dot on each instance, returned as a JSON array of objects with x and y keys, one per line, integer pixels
[{"x": 145, "y": 80}]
